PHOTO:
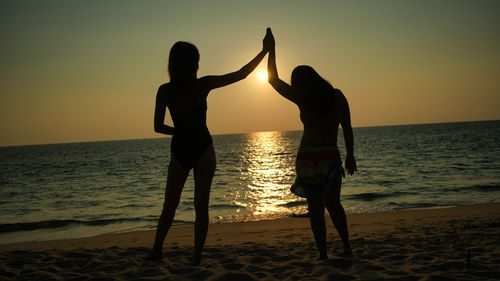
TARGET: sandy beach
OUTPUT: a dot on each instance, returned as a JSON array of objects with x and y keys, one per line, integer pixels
[{"x": 455, "y": 243}]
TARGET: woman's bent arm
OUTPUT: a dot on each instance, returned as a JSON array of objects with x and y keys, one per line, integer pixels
[{"x": 159, "y": 118}]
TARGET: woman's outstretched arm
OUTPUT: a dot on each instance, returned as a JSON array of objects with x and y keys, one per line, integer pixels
[
  {"x": 160, "y": 108},
  {"x": 214, "y": 81},
  {"x": 279, "y": 85}
]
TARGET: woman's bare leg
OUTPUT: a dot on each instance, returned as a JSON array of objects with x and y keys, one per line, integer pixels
[
  {"x": 203, "y": 175},
  {"x": 337, "y": 215},
  {"x": 317, "y": 219},
  {"x": 176, "y": 179}
]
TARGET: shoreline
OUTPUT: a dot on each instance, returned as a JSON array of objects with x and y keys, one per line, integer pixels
[
  {"x": 188, "y": 224},
  {"x": 384, "y": 217},
  {"x": 426, "y": 244}
]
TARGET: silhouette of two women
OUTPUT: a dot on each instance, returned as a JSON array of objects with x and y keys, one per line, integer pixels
[{"x": 318, "y": 165}]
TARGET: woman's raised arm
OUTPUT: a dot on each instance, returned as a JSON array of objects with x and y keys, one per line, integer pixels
[
  {"x": 279, "y": 85},
  {"x": 217, "y": 81}
]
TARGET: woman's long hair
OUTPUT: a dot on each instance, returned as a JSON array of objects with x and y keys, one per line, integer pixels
[
  {"x": 183, "y": 61},
  {"x": 319, "y": 93}
]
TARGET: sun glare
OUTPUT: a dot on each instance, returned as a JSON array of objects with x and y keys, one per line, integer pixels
[{"x": 262, "y": 75}]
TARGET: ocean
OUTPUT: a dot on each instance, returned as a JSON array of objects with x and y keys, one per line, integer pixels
[{"x": 72, "y": 190}]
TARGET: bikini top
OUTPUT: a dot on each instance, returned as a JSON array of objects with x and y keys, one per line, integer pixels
[{"x": 311, "y": 116}]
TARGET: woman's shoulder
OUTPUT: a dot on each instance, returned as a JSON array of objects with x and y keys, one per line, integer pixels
[
  {"x": 339, "y": 96},
  {"x": 164, "y": 87},
  {"x": 204, "y": 83},
  {"x": 188, "y": 85},
  {"x": 340, "y": 103},
  {"x": 162, "y": 94}
]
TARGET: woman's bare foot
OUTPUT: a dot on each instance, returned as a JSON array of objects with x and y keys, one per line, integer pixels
[
  {"x": 196, "y": 260},
  {"x": 155, "y": 256},
  {"x": 348, "y": 250}
]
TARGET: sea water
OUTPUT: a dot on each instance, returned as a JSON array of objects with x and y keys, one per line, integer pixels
[{"x": 74, "y": 190}]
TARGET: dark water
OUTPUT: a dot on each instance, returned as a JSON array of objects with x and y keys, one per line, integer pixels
[{"x": 83, "y": 189}]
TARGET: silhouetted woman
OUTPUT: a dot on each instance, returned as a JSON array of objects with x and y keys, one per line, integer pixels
[
  {"x": 191, "y": 147},
  {"x": 318, "y": 164}
]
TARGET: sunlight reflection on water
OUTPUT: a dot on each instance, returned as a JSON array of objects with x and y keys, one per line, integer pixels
[{"x": 269, "y": 160}]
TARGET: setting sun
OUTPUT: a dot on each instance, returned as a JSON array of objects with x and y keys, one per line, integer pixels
[{"x": 262, "y": 75}]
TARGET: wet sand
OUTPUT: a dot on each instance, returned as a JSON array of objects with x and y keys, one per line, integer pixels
[{"x": 456, "y": 243}]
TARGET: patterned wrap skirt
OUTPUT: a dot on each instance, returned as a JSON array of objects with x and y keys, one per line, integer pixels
[{"x": 318, "y": 167}]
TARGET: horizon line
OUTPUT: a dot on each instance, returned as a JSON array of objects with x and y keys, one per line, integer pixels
[{"x": 242, "y": 133}]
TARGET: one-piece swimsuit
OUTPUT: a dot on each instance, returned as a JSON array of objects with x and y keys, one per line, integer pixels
[{"x": 191, "y": 137}]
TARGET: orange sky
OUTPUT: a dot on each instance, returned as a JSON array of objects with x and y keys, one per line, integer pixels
[{"x": 89, "y": 70}]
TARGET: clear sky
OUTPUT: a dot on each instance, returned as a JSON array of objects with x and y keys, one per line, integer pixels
[{"x": 89, "y": 70}]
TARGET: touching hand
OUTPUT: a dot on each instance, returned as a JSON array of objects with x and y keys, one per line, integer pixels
[
  {"x": 350, "y": 164},
  {"x": 268, "y": 42}
]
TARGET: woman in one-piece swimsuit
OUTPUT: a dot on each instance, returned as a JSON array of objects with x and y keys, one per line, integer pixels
[
  {"x": 318, "y": 164},
  {"x": 191, "y": 146}
]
